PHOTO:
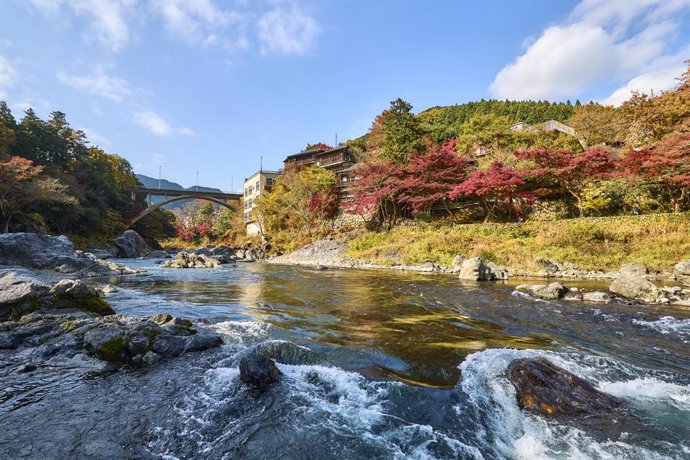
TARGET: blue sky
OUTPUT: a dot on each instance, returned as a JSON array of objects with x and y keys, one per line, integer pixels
[{"x": 212, "y": 85}]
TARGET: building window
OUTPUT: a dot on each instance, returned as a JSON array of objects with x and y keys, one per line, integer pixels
[
  {"x": 258, "y": 186},
  {"x": 269, "y": 182}
]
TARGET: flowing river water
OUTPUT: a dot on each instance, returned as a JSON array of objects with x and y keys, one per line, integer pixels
[{"x": 376, "y": 364}]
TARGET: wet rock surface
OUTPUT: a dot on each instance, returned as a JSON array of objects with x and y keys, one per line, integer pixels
[
  {"x": 548, "y": 390},
  {"x": 131, "y": 245},
  {"x": 257, "y": 371},
  {"x": 116, "y": 340},
  {"x": 192, "y": 260}
]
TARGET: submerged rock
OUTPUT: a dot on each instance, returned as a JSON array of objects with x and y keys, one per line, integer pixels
[
  {"x": 634, "y": 287},
  {"x": 258, "y": 371},
  {"x": 131, "y": 245},
  {"x": 192, "y": 260},
  {"x": 548, "y": 390}
]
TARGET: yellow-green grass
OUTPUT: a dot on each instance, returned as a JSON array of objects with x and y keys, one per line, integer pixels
[{"x": 598, "y": 243}]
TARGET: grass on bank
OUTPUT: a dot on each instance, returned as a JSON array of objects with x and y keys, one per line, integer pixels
[{"x": 597, "y": 243}]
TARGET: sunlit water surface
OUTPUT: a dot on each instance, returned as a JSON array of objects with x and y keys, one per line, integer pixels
[{"x": 387, "y": 365}]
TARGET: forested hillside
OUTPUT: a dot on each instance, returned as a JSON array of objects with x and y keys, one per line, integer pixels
[
  {"x": 53, "y": 180},
  {"x": 445, "y": 123}
]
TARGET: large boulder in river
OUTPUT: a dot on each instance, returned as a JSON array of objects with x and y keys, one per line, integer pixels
[
  {"x": 258, "y": 371},
  {"x": 682, "y": 272},
  {"x": 474, "y": 269},
  {"x": 130, "y": 245},
  {"x": 634, "y": 287},
  {"x": 34, "y": 250},
  {"x": 543, "y": 388}
]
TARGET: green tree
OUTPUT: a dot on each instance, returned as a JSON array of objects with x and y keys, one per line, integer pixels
[
  {"x": 8, "y": 128},
  {"x": 288, "y": 206},
  {"x": 396, "y": 134},
  {"x": 488, "y": 131}
]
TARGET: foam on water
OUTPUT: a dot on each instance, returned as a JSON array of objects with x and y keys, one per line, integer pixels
[
  {"x": 516, "y": 434},
  {"x": 650, "y": 390},
  {"x": 311, "y": 402},
  {"x": 668, "y": 325},
  {"x": 242, "y": 331}
]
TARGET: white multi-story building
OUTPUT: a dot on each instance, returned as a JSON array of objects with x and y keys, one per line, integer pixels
[{"x": 255, "y": 187}]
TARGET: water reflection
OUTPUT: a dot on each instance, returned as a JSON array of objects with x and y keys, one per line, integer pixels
[{"x": 415, "y": 328}]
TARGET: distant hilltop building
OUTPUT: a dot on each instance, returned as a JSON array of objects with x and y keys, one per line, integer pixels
[
  {"x": 256, "y": 186},
  {"x": 551, "y": 125}
]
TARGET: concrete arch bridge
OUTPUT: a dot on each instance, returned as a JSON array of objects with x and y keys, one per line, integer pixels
[{"x": 227, "y": 200}]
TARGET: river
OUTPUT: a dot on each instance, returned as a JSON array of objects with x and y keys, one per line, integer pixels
[{"x": 377, "y": 364}]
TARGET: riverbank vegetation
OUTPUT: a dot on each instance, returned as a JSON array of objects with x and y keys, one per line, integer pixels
[
  {"x": 507, "y": 181},
  {"x": 592, "y": 243},
  {"x": 52, "y": 180}
]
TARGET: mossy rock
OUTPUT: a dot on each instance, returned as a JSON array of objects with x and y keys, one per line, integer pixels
[{"x": 112, "y": 350}]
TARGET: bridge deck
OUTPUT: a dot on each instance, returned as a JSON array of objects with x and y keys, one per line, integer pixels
[{"x": 190, "y": 193}]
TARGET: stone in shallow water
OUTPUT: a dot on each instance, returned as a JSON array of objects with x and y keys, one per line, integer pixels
[
  {"x": 258, "y": 371},
  {"x": 546, "y": 389},
  {"x": 634, "y": 287}
]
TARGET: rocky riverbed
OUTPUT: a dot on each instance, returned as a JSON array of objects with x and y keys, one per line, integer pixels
[{"x": 262, "y": 361}]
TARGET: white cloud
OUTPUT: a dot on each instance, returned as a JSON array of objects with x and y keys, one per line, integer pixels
[
  {"x": 197, "y": 22},
  {"x": 8, "y": 76},
  {"x": 658, "y": 80},
  {"x": 108, "y": 19},
  {"x": 98, "y": 83},
  {"x": 602, "y": 40},
  {"x": 287, "y": 30},
  {"x": 153, "y": 122},
  {"x": 158, "y": 126}
]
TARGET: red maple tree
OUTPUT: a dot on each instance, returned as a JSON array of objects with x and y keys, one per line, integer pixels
[
  {"x": 667, "y": 164},
  {"x": 564, "y": 169},
  {"x": 431, "y": 177},
  {"x": 378, "y": 192},
  {"x": 496, "y": 187}
]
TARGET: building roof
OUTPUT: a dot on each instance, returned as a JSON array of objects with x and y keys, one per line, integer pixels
[
  {"x": 304, "y": 154},
  {"x": 263, "y": 171}
]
